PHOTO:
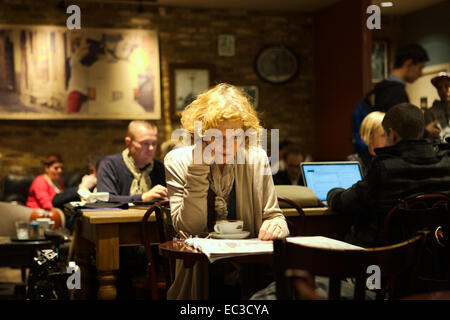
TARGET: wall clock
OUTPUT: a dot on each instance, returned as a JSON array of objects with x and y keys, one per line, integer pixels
[{"x": 276, "y": 64}]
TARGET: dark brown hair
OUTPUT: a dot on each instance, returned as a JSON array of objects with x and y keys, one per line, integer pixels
[
  {"x": 406, "y": 119},
  {"x": 51, "y": 159}
]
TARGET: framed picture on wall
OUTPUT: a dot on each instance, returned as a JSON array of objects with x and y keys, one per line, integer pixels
[
  {"x": 252, "y": 91},
  {"x": 50, "y": 72},
  {"x": 186, "y": 82},
  {"x": 379, "y": 60}
]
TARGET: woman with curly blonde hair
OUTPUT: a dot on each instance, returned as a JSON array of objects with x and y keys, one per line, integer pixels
[{"x": 204, "y": 188}]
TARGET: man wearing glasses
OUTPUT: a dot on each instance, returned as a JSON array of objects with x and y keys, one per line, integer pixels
[
  {"x": 292, "y": 174},
  {"x": 134, "y": 175}
]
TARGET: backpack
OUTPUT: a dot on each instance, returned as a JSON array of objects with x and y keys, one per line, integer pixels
[{"x": 363, "y": 108}]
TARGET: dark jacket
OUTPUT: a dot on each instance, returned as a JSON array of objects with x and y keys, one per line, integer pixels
[
  {"x": 114, "y": 177},
  {"x": 397, "y": 172},
  {"x": 282, "y": 178},
  {"x": 388, "y": 94},
  {"x": 364, "y": 158}
]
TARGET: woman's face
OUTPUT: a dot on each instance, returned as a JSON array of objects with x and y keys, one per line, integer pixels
[
  {"x": 229, "y": 149},
  {"x": 54, "y": 171},
  {"x": 377, "y": 140}
]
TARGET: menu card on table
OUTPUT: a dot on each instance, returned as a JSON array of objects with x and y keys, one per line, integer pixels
[{"x": 216, "y": 249}]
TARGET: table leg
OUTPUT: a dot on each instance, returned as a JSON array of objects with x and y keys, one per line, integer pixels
[
  {"x": 107, "y": 260},
  {"x": 83, "y": 255}
]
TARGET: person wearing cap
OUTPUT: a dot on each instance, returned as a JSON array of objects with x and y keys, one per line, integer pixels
[{"x": 440, "y": 110}]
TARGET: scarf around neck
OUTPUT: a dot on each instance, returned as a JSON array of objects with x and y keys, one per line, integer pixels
[
  {"x": 141, "y": 182},
  {"x": 221, "y": 183}
]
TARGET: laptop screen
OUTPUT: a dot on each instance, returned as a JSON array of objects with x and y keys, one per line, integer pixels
[{"x": 321, "y": 177}]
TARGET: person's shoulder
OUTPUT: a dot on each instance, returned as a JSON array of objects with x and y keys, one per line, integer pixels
[
  {"x": 388, "y": 84},
  {"x": 40, "y": 179},
  {"x": 257, "y": 152},
  {"x": 111, "y": 159},
  {"x": 181, "y": 154}
]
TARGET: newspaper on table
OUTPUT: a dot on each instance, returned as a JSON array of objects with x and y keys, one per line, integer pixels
[
  {"x": 323, "y": 242},
  {"x": 216, "y": 249}
]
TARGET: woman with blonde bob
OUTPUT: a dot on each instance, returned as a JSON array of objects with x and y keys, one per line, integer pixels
[
  {"x": 203, "y": 190},
  {"x": 373, "y": 135}
]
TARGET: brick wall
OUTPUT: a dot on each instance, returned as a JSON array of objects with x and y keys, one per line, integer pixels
[{"x": 186, "y": 35}]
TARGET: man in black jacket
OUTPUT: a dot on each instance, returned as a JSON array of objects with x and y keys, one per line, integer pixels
[{"x": 408, "y": 166}]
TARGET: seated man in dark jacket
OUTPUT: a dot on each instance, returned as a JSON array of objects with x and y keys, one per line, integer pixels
[{"x": 406, "y": 167}]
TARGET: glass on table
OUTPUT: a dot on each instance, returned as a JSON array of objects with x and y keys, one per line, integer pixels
[{"x": 22, "y": 230}]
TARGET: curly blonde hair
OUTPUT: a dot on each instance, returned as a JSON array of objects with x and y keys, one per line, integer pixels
[
  {"x": 370, "y": 125},
  {"x": 221, "y": 103}
]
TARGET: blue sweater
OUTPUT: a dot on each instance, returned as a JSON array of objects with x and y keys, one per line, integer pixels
[{"x": 114, "y": 177}]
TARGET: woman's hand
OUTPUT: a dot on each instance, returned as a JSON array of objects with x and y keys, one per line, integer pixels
[{"x": 270, "y": 230}]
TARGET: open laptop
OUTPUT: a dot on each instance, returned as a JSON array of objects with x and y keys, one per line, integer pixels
[{"x": 321, "y": 177}]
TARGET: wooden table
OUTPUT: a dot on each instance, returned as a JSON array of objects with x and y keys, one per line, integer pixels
[
  {"x": 100, "y": 232},
  {"x": 98, "y": 235}
]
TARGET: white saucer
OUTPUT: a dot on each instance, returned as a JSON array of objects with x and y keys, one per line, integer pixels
[{"x": 240, "y": 235}]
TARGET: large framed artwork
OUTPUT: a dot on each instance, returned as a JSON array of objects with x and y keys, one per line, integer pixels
[
  {"x": 50, "y": 72},
  {"x": 187, "y": 80}
]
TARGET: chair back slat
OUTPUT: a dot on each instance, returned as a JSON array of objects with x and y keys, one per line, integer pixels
[
  {"x": 298, "y": 228},
  {"x": 334, "y": 292}
]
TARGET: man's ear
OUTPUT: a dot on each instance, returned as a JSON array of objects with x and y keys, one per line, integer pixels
[
  {"x": 408, "y": 63},
  {"x": 395, "y": 137},
  {"x": 127, "y": 141}
]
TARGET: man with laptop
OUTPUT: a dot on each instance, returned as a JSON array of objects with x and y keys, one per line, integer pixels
[{"x": 407, "y": 166}]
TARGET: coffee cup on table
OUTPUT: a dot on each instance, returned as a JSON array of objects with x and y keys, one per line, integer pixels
[{"x": 229, "y": 226}]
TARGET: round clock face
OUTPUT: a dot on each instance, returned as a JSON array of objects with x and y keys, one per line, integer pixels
[{"x": 276, "y": 64}]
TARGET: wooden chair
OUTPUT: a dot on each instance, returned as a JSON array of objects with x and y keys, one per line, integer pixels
[
  {"x": 394, "y": 261},
  {"x": 296, "y": 226},
  {"x": 154, "y": 282},
  {"x": 424, "y": 212}
]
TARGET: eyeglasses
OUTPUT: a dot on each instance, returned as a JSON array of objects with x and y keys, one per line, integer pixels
[{"x": 145, "y": 144}]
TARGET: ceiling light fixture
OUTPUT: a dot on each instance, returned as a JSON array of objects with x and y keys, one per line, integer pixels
[{"x": 386, "y": 4}]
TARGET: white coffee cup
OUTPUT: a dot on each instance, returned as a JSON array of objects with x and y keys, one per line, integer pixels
[{"x": 229, "y": 226}]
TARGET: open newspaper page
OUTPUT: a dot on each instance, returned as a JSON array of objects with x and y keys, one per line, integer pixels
[
  {"x": 216, "y": 249},
  {"x": 323, "y": 242}
]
